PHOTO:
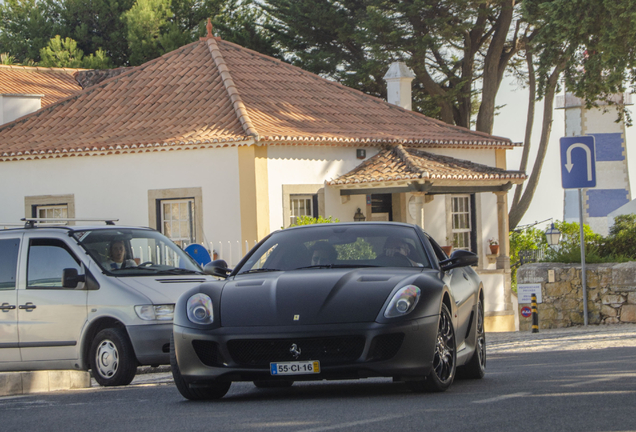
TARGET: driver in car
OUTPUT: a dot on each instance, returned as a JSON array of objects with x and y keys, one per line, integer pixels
[{"x": 117, "y": 256}]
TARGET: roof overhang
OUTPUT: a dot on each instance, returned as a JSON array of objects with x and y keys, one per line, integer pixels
[{"x": 427, "y": 186}]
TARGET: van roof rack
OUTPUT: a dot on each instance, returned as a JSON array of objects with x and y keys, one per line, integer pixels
[{"x": 30, "y": 222}]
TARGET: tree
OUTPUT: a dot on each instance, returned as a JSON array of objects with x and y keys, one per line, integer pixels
[
  {"x": 65, "y": 53},
  {"x": 97, "y": 24},
  {"x": 587, "y": 43},
  {"x": 145, "y": 22},
  {"x": 26, "y": 26},
  {"x": 449, "y": 44}
]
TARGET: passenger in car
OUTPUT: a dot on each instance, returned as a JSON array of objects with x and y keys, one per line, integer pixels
[
  {"x": 322, "y": 253},
  {"x": 397, "y": 247},
  {"x": 117, "y": 255}
]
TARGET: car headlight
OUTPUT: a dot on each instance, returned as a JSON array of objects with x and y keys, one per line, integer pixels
[
  {"x": 155, "y": 312},
  {"x": 403, "y": 302},
  {"x": 199, "y": 308}
]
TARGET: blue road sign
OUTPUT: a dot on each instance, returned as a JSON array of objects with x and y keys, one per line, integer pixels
[{"x": 578, "y": 162}]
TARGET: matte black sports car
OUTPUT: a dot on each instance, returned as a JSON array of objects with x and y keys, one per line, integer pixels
[{"x": 333, "y": 301}]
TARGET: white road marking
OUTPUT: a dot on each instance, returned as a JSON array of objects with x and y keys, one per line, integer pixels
[
  {"x": 351, "y": 424},
  {"x": 503, "y": 397}
]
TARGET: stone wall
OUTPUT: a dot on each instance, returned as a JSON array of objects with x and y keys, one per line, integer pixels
[{"x": 611, "y": 293}]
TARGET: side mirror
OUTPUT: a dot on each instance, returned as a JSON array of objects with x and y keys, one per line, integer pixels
[
  {"x": 217, "y": 268},
  {"x": 70, "y": 278},
  {"x": 459, "y": 258}
]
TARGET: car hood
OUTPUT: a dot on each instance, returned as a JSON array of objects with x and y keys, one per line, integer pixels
[
  {"x": 163, "y": 289},
  {"x": 305, "y": 297}
]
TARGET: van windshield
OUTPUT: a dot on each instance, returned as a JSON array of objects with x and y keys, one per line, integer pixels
[{"x": 135, "y": 252}]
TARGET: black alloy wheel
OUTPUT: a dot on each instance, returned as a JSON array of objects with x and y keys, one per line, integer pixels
[{"x": 444, "y": 358}]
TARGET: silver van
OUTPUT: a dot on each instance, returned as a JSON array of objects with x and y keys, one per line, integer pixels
[{"x": 64, "y": 304}]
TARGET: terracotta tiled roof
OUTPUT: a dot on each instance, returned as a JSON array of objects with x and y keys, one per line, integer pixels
[
  {"x": 402, "y": 163},
  {"x": 215, "y": 93},
  {"x": 53, "y": 83},
  {"x": 90, "y": 77}
]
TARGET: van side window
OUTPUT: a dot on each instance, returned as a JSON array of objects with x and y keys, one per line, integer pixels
[
  {"x": 8, "y": 263},
  {"x": 47, "y": 259}
]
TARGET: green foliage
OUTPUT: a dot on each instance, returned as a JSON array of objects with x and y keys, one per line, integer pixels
[
  {"x": 65, "y": 53},
  {"x": 358, "y": 250},
  {"x": 145, "y": 23},
  {"x": 97, "y": 24},
  {"x": 528, "y": 239},
  {"x": 27, "y": 26},
  {"x": 622, "y": 237},
  {"x": 6, "y": 59},
  {"x": 308, "y": 220},
  {"x": 591, "y": 40}
]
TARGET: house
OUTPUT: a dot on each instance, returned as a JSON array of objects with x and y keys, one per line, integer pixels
[
  {"x": 216, "y": 144},
  {"x": 25, "y": 89}
]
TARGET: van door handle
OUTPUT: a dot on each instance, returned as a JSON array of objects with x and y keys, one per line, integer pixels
[
  {"x": 6, "y": 307},
  {"x": 29, "y": 306}
]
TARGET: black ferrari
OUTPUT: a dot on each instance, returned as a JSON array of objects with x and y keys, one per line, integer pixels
[{"x": 333, "y": 301}]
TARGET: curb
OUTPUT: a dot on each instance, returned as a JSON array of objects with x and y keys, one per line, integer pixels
[{"x": 19, "y": 383}]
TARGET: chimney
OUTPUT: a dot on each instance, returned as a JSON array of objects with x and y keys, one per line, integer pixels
[{"x": 398, "y": 85}]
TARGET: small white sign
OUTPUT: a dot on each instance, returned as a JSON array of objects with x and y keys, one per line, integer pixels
[{"x": 525, "y": 291}]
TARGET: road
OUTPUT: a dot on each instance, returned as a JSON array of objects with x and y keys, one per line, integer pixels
[{"x": 536, "y": 390}]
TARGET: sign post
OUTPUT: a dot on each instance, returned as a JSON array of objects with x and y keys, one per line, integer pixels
[{"x": 578, "y": 171}]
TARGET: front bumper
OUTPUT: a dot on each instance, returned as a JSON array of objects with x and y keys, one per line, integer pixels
[
  {"x": 151, "y": 343},
  {"x": 346, "y": 351}
]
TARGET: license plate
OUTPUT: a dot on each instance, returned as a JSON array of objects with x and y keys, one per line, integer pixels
[{"x": 295, "y": 368}]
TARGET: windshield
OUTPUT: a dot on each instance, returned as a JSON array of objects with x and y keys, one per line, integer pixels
[
  {"x": 338, "y": 246},
  {"x": 135, "y": 252}
]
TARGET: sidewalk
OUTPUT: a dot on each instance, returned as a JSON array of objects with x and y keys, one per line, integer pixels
[{"x": 571, "y": 338}]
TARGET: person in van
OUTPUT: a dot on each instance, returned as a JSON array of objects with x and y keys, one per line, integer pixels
[{"x": 117, "y": 256}]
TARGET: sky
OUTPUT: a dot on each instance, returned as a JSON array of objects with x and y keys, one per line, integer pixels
[{"x": 511, "y": 123}]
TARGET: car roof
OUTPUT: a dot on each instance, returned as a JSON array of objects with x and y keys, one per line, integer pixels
[{"x": 73, "y": 228}]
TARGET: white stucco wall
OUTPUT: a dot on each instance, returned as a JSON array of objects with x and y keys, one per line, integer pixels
[
  {"x": 481, "y": 156},
  {"x": 16, "y": 106},
  {"x": 117, "y": 186},
  {"x": 291, "y": 165}
]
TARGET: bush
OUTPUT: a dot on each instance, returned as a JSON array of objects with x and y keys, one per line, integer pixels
[
  {"x": 621, "y": 240},
  {"x": 308, "y": 220}
]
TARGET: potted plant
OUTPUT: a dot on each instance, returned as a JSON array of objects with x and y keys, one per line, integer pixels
[
  {"x": 447, "y": 249},
  {"x": 494, "y": 246}
]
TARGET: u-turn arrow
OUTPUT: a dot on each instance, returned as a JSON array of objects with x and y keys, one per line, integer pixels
[{"x": 588, "y": 155}]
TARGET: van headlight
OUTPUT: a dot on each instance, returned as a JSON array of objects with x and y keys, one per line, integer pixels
[
  {"x": 199, "y": 309},
  {"x": 403, "y": 301},
  {"x": 155, "y": 312}
]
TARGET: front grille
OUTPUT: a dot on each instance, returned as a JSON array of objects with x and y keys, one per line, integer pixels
[
  {"x": 384, "y": 347},
  {"x": 328, "y": 350},
  {"x": 207, "y": 352}
]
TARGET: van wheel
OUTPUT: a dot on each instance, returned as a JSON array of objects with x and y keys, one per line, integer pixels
[{"x": 112, "y": 358}]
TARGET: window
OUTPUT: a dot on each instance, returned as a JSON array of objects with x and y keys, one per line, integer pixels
[
  {"x": 50, "y": 206},
  {"x": 8, "y": 263},
  {"x": 177, "y": 221},
  {"x": 301, "y": 205},
  {"x": 177, "y": 213},
  {"x": 461, "y": 218},
  {"x": 47, "y": 259},
  {"x": 52, "y": 211}
]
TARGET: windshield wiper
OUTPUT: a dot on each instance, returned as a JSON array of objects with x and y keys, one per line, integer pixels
[{"x": 260, "y": 270}]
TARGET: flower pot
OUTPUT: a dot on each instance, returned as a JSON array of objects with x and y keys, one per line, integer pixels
[
  {"x": 494, "y": 249},
  {"x": 447, "y": 249}
]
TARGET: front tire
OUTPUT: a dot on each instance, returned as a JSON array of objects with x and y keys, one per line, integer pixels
[
  {"x": 112, "y": 358},
  {"x": 215, "y": 390},
  {"x": 476, "y": 366},
  {"x": 444, "y": 358}
]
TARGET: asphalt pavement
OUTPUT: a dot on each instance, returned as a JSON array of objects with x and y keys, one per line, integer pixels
[{"x": 591, "y": 337}]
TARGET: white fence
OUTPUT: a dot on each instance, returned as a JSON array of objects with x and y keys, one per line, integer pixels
[{"x": 230, "y": 251}]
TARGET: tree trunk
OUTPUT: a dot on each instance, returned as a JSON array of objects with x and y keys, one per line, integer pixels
[
  {"x": 517, "y": 211},
  {"x": 532, "y": 90},
  {"x": 493, "y": 68}
]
